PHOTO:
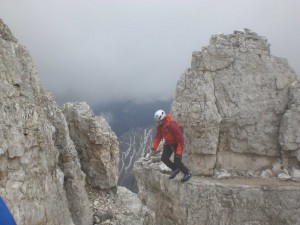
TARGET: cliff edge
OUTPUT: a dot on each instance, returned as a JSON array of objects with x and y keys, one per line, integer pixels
[
  {"x": 57, "y": 165},
  {"x": 239, "y": 107}
]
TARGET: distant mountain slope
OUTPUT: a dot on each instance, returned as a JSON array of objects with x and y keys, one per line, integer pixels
[
  {"x": 133, "y": 124},
  {"x": 134, "y": 144},
  {"x": 123, "y": 116}
]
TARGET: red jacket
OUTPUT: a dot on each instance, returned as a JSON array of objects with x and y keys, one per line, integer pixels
[{"x": 171, "y": 132}]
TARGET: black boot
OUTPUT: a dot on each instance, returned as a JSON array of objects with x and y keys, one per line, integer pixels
[
  {"x": 186, "y": 177},
  {"x": 174, "y": 173}
]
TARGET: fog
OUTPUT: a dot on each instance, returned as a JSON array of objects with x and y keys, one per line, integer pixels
[{"x": 104, "y": 51}]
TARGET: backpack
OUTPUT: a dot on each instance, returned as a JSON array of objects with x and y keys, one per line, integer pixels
[{"x": 178, "y": 124}]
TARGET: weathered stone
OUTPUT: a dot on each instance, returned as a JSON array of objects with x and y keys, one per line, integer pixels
[
  {"x": 34, "y": 173},
  {"x": 137, "y": 213},
  {"x": 231, "y": 102},
  {"x": 104, "y": 215},
  {"x": 35, "y": 192},
  {"x": 120, "y": 206},
  {"x": 295, "y": 173},
  {"x": 40, "y": 173},
  {"x": 267, "y": 173},
  {"x": 5, "y": 33},
  {"x": 289, "y": 134},
  {"x": 209, "y": 201},
  {"x": 163, "y": 168},
  {"x": 223, "y": 174},
  {"x": 96, "y": 145},
  {"x": 284, "y": 176},
  {"x": 74, "y": 178},
  {"x": 15, "y": 150}
]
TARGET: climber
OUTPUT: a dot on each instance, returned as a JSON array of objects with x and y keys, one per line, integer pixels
[
  {"x": 5, "y": 216},
  {"x": 174, "y": 143}
]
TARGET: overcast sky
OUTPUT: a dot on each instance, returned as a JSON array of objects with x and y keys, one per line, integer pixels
[{"x": 109, "y": 50}]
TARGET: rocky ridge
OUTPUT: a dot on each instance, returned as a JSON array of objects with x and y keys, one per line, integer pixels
[
  {"x": 234, "y": 200},
  {"x": 96, "y": 145},
  {"x": 43, "y": 164},
  {"x": 239, "y": 107},
  {"x": 35, "y": 174},
  {"x": 231, "y": 103}
]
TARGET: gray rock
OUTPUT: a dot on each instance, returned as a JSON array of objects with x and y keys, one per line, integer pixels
[
  {"x": 289, "y": 134},
  {"x": 96, "y": 144},
  {"x": 230, "y": 103},
  {"x": 136, "y": 213},
  {"x": 295, "y": 173},
  {"x": 267, "y": 173},
  {"x": 5, "y": 33},
  {"x": 233, "y": 104},
  {"x": 39, "y": 181},
  {"x": 204, "y": 200},
  {"x": 18, "y": 110},
  {"x": 284, "y": 176},
  {"x": 104, "y": 215},
  {"x": 238, "y": 105}
]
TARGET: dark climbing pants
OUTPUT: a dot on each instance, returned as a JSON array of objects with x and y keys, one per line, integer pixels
[{"x": 167, "y": 152}]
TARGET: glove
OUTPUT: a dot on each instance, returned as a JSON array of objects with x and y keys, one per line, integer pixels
[
  {"x": 178, "y": 155},
  {"x": 178, "y": 151}
]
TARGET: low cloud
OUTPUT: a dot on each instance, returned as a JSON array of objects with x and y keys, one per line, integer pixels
[{"x": 101, "y": 51}]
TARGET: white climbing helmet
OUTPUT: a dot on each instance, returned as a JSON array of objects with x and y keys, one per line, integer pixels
[{"x": 159, "y": 115}]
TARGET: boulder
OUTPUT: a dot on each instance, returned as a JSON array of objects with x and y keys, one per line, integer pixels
[
  {"x": 40, "y": 176},
  {"x": 96, "y": 144},
  {"x": 205, "y": 200},
  {"x": 231, "y": 102}
]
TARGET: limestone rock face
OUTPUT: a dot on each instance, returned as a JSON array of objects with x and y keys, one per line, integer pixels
[
  {"x": 41, "y": 179},
  {"x": 231, "y": 102},
  {"x": 119, "y": 206},
  {"x": 289, "y": 135},
  {"x": 139, "y": 214},
  {"x": 6, "y": 34},
  {"x": 235, "y": 201},
  {"x": 74, "y": 178},
  {"x": 239, "y": 107},
  {"x": 40, "y": 176},
  {"x": 96, "y": 144}
]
